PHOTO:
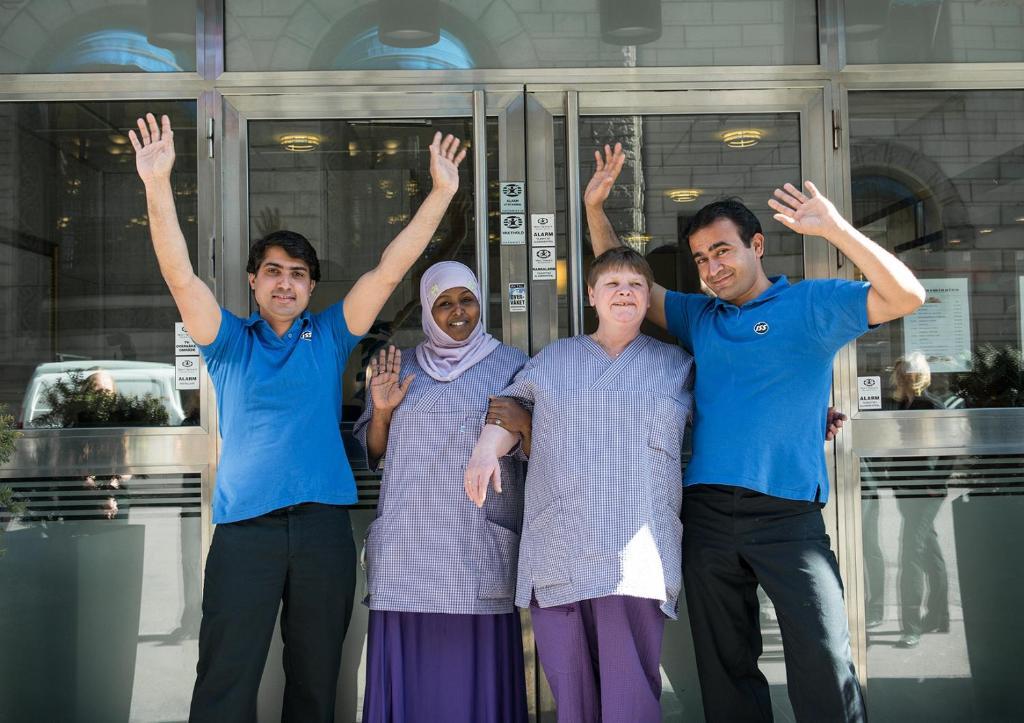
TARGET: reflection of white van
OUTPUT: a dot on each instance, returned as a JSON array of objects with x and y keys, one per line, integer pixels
[{"x": 131, "y": 379}]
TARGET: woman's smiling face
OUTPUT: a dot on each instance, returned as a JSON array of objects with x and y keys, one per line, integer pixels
[{"x": 456, "y": 311}]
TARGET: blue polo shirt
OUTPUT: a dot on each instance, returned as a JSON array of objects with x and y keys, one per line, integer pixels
[
  {"x": 279, "y": 401},
  {"x": 764, "y": 372}
]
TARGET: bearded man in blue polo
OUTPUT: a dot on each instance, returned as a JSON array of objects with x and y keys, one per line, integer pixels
[
  {"x": 753, "y": 491},
  {"x": 283, "y": 532}
]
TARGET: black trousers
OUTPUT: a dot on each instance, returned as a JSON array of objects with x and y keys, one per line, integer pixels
[
  {"x": 734, "y": 539},
  {"x": 303, "y": 556}
]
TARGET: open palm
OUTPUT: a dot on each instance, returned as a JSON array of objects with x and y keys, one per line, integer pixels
[
  {"x": 606, "y": 171},
  {"x": 445, "y": 158},
  {"x": 154, "y": 148},
  {"x": 812, "y": 215},
  {"x": 386, "y": 390}
]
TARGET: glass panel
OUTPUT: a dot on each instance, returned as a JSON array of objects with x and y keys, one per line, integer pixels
[
  {"x": 350, "y": 187},
  {"x": 89, "y": 337},
  {"x": 678, "y": 163},
  {"x": 434, "y": 35},
  {"x": 934, "y": 31},
  {"x": 941, "y": 596},
  {"x": 100, "y": 595},
  {"x": 938, "y": 178},
  {"x": 100, "y": 36},
  {"x": 675, "y": 165}
]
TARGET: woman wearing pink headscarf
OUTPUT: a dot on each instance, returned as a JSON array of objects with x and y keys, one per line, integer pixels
[{"x": 444, "y": 639}]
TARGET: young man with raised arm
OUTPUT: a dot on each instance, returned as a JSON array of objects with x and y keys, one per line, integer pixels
[{"x": 283, "y": 532}]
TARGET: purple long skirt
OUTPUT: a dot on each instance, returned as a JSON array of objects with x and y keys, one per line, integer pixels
[
  {"x": 602, "y": 657},
  {"x": 429, "y": 667}
]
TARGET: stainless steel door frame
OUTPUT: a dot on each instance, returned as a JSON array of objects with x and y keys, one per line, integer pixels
[{"x": 820, "y": 160}]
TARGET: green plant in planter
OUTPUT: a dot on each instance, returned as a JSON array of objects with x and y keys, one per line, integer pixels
[
  {"x": 9, "y": 504},
  {"x": 996, "y": 378}
]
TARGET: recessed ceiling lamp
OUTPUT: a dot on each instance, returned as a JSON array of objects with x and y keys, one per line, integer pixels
[
  {"x": 409, "y": 23},
  {"x": 683, "y": 195},
  {"x": 1019, "y": 219},
  {"x": 300, "y": 142},
  {"x": 985, "y": 230},
  {"x": 630, "y": 23},
  {"x": 391, "y": 147},
  {"x": 742, "y": 137}
]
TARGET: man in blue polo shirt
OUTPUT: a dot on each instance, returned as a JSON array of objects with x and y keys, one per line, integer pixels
[
  {"x": 757, "y": 480},
  {"x": 283, "y": 534}
]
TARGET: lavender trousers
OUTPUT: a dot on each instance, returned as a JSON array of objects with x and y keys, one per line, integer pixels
[{"x": 601, "y": 658}]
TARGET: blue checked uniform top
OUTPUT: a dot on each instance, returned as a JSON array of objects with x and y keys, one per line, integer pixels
[
  {"x": 604, "y": 486},
  {"x": 430, "y": 549}
]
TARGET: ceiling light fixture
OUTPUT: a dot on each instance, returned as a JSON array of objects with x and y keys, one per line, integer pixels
[
  {"x": 742, "y": 137},
  {"x": 300, "y": 142},
  {"x": 985, "y": 230},
  {"x": 409, "y": 23},
  {"x": 683, "y": 195},
  {"x": 630, "y": 23}
]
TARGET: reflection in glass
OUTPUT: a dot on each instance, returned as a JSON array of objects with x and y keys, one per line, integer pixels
[
  {"x": 943, "y": 586},
  {"x": 350, "y": 187},
  {"x": 358, "y": 35},
  {"x": 103, "y": 36},
  {"x": 675, "y": 164},
  {"x": 78, "y": 277},
  {"x": 100, "y": 594},
  {"x": 934, "y": 31},
  {"x": 936, "y": 180}
]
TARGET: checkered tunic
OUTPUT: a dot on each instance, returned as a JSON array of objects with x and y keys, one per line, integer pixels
[
  {"x": 430, "y": 549},
  {"x": 604, "y": 486}
]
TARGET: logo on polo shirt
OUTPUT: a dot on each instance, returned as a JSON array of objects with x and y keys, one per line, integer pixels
[
  {"x": 307, "y": 335},
  {"x": 761, "y": 327}
]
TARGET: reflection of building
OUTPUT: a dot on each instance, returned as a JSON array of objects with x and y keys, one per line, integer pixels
[{"x": 320, "y": 125}]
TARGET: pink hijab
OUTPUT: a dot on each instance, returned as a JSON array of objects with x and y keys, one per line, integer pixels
[{"x": 443, "y": 358}]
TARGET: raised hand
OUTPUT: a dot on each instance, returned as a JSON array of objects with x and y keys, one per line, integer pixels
[
  {"x": 386, "y": 390},
  {"x": 154, "y": 154},
  {"x": 445, "y": 158},
  {"x": 812, "y": 215},
  {"x": 605, "y": 173}
]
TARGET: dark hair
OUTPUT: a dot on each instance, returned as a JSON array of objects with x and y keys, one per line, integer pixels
[
  {"x": 730, "y": 208},
  {"x": 620, "y": 257},
  {"x": 294, "y": 244}
]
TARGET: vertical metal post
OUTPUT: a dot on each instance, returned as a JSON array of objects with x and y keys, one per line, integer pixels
[
  {"x": 573, "y": 207},
  {"x": 540, "y": 197},
  {"x": 515, "y": 261},
  {"x": 480, "y": 202}
]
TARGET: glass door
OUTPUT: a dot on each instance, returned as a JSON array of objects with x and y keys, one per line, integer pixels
[
  {"x": 348, "y": 171},
  {"x": 684, "y": 149}
]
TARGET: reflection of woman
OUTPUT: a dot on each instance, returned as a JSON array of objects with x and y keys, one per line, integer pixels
[
  {"x": 922, "y": 566},
  {"x": 600, "y": 564},
  {"x": 444, "y": 640}
]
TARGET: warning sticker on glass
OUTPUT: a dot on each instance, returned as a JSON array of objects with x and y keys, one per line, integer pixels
[
  {"x": 543, "y": 264},
  {"x": 513, "y": 229},
  {"x": 542, "y": 229},
  {"x": 869, "y": 393},
  {"x": 517, "y": 297},
  {"x": 513, "y": 197},
  {"x": 186, "y": 372},
  {"x": 183, "y": 344}
]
